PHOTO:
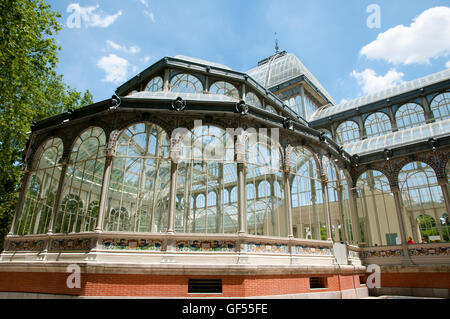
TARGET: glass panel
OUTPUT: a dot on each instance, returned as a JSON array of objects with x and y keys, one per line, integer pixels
[
  {"x": 423, "y": 204},
  {"x": 39, "y": 198},
  {"x": 347, "y": 132},
  {"x": 155, "y": 85},
  {"x": 377, "y": 124},
  {"x": 441, "y": 106},
  {"x": 83, "y": 181},
  {"x": 376, "y": 210},
  {"x": 266, "y": 207},
  {"x": 186, "y": 83},
  {"x": 252, "y": 99},
  {"x": 206, "y": 175},
  {"x": 308, "y": 213},
  {"x": 410, "y": 115},
  {"x": 138, "y": 195},
  {"x": 224, "y": 88}
]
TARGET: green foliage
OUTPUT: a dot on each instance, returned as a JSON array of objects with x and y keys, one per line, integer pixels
[{"x": 30, "y": 88}]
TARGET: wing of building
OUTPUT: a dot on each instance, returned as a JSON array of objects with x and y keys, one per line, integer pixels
[{"x": 196, "y": 180}]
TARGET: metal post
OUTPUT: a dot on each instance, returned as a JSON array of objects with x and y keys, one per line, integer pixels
[
  {"x": 103, "y": 194},
  {"x": 173, "y": 197},
  {"x": 241, "y": 198},
  {"x": 288, "y": 204}
]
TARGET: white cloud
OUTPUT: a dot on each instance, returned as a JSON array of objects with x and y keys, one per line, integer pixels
[
  {"x": 116, "y": 68},
  {"x": 146, "y": 59},
  {"x": 447, "y": 65},
  {"x": 427, "y": 37},
  {"x": 90, "y": 18},
  {"x": 144, "y": 2},
  {"x": 150, "y": 15},
  {"x": 131, "y": 50},
  {"x": 371, "y": 83}
]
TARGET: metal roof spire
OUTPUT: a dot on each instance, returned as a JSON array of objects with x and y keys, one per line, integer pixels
[{"x": 277, "y": 48}]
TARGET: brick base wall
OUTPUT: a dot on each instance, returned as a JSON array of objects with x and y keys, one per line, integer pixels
[{"x": 168, "y": 285}]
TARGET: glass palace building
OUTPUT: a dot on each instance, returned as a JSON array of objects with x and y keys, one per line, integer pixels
[{"x": 195, "y": 180}]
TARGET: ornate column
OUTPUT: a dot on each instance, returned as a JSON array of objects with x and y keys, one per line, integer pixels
[
  {"x": 398, "y": 207},
  {"x": 287, "y": 189},
  {"x": 110, "y": 153},
  {"x": 166, "y": 80},
  {"x": 326, "y": 208},
  {"x": 64, "y": 163},
  {"x": 429, "y": 116},
  {"x": 172, "y": 198},
  {"x": 175, "y": 154},
  {"x": 240, "y": 160},
  {"x": 362, "y": 128}
]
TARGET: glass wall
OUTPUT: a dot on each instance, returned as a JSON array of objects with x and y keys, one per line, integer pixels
[
  {"x": 308, "y": 214},
  {"x": 138, "y": 194},
  {"x": 410, "y": 115},
  {"x": 207, "y": 183},
  {"x": 335, "y": 208},
  {"x": 440, "y": 106},
  {"x": 376, "y": 210},
  {"x": 155, "y": 85},
  {"x": 224, "y": 88},
  {"x": 252, "y": 99},
  {"x": 266, "y": 207},
  {"x": 37, "y": 207},
  {"x": 377, "y": 124},
  {"x": 82, "y": 186},
  {"x": 186, "y": 83},
  {"x": 346, "y": 207},
  {"x": 347, "y": 132},
  {"x": 423, "y": 204}
]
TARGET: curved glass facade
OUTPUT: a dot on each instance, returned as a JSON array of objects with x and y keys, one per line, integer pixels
[
  {"x": 41, "y": 190},
  {"x": 138, "y": 192}
]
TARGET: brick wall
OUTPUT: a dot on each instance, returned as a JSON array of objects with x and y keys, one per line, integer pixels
[{"x": 166, "y": 285}]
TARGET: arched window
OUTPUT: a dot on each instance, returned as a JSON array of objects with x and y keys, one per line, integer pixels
[
  {"x": 83, "y": 180},
  {"x": 421, "y": 196},
  {"x": 376, "y": 210},
  {"x": 253, "y": 100},
  {"x": 140, "y": 181},
  {"x": 155, "y": 85},
  {"x": 441, "y": 106},
  {"x": 377, "y": 124},
  {"x": 308, "y": 214},
  {"x": 266, "y": 213},
  {"x": 37, "y": 207},
  {"x": 186, "y": 83},
  {"x": 347, "y": 132},
  {"x": 207, "y": 169},
  {"x": 410, "y": 115},
  {"x": 224, "y": 88}
]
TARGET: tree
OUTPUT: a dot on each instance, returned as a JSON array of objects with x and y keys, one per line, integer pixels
[{"x": 30, "y": 88}]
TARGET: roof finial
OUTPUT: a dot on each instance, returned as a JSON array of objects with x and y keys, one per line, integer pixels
[{"x": 277, "y": 48}]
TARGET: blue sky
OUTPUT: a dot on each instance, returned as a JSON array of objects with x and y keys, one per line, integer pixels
[{"x": 113, "y": 40}]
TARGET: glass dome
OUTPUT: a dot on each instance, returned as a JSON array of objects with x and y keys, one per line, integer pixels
[{"x": 281, "y": 68}]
